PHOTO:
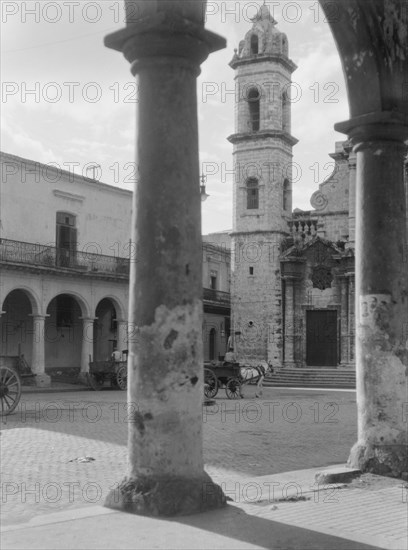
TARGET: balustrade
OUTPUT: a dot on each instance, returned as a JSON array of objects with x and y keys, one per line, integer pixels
[
  {"x": 36, "y": 254},
  {"x": 304, "y": 229}
]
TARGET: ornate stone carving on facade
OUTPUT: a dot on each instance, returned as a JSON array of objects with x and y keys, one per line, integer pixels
[
  {"x": 320, "y": 253},
  {"x": 321, "y": 277}
]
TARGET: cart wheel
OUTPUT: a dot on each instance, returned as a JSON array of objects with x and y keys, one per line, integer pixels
[
  {"x": 96, "y": 381},
  {"x": 10, "y": 390},
  {"x": 232, "y": 388},
  {"x": 210, "y": 384},
  {"x": 121, "y": 378}
]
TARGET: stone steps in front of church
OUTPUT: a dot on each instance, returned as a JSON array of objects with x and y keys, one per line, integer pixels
[{"x": 319, "y": 377}]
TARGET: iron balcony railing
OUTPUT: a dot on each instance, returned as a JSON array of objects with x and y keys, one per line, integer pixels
[
  {"x": 218, "y": 296},
  {"x": 35, "y": 254}
]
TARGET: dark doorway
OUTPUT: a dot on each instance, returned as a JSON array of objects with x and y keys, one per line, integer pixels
[{"x": 321, "y": 338}]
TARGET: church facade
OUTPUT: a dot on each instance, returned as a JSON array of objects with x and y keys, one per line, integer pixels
[{"x": 292, "y": 271}]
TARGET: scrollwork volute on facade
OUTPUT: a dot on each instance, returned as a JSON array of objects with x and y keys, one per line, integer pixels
[{"x": 318, "y": 200}]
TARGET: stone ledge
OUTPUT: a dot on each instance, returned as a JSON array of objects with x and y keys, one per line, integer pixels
[{"x": 337, "y": 475}]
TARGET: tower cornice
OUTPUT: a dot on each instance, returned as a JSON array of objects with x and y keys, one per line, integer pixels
[
  {"x": 262, "y": 58},
  {"x": 263, "y": 134}
]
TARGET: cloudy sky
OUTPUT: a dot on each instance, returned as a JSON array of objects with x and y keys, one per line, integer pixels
[{"x": 68, "y": 100}]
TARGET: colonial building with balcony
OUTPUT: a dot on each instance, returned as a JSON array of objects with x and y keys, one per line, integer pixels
[
  {"x": 65, "y": 256},
  {"x": 216, "y": 283}
]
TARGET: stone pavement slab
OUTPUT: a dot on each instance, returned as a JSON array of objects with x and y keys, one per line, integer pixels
[
  {"x": 55, "y": 387},
  {"x": 53, "y": 500},
  {"x": 229, "y": 528}
]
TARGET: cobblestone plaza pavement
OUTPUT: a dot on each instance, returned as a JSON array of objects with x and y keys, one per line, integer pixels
[{"x": 62, "y": 452}]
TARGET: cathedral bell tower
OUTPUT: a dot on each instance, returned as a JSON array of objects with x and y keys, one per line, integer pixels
[{"x": 262, "y": 188}]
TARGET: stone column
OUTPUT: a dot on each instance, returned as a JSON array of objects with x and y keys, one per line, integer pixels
[
  {"x": 122, "y": 334},
  {"x": 289, "y": 321},
  {"x": 38, "y": 352},
  {"x": 87, "y": 345},
  {"x": 381, "y": 294},
  {"x": 165, "y": 366}
]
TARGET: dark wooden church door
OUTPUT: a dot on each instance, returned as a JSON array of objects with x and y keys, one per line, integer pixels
[{"x": 321, "y": 338}]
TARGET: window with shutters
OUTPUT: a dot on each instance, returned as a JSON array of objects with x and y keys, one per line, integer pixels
[
  {"x": 252, "y": 194},
  {"x": 213, "y": 280},
  {"x": 66, "y": 239}
]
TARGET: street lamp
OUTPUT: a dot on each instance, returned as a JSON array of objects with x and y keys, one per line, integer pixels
[{"x": 203, "y": 194}]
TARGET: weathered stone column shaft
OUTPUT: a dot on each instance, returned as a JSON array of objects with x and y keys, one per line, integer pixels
[
  {"x": 381, "y": 307},
  {"x": 165, "y": 364},
  {"x": 87, "y": 343},
  {"x": 38, "y": 351},
  {"x": 166, "y": 361}
]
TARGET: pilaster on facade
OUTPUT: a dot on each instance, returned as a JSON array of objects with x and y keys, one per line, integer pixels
[
  {"x": 292, "y": 270},
  {"x": 352, "y": 164},
  {"x": 290, "y": 324}
]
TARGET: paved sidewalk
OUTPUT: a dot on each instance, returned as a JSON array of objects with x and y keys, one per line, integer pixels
[
  {"x": 50, "y": 499},
  {"x": 55, "y": 387},
  {"x": 369, "y": 513}
]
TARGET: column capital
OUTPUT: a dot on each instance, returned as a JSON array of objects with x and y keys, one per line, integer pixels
[
  {"x": 384, "y": 125},
  {"x": 164, "y": 34},
  {"x": 88, "y": 318},
  {"x": 38, "y": 316}
]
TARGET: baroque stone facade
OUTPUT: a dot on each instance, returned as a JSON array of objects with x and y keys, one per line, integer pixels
[
  {"x": 292, "y": 287},
  {"x": 292, "y": 272}
]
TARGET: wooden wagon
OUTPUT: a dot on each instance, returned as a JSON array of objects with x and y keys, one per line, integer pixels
[
  {"x": 231, "y": 376},
  {"x": 222, "y": 375},
  {"x": 114, "y": 372},
  {"x": 10, "y": 383}
]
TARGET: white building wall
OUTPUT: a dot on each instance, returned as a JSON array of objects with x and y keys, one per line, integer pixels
[{"x": 32, "y": 194}]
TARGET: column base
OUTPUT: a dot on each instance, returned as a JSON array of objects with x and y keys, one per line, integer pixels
[
  {"x": 83, "y": 378},
  {"x": 166, "y": 496},
  {"x": 42, "y": 380},
  {"x": 384, "y": 460}
]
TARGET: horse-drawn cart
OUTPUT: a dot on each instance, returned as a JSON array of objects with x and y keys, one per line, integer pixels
[
  {"x": 114, "y": 372},
  {"x": 231, "y": 376},
  {"x": 10, "y": 389},
  {"x": 12, "y": 375}
]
